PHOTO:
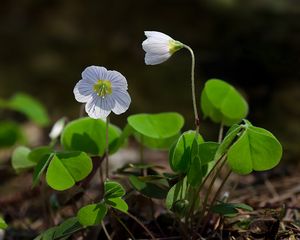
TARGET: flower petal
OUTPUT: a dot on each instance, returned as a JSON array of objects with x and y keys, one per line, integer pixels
[
  {"x": 118, "y": 81},
  {"x": 153, "y": 59},
  {"x": 98, "y": 107},
  {"x": 122, "y": 101},
  {"x": 83, "y": 91},
  {"x": 158, "y": 35},
  {"x": 94, "y": 73},
  {"x": 156, "y": 46}
]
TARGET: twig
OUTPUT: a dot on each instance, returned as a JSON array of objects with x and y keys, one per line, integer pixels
[
  {"x": 271, "y": 188},
  {"x": 285, "y": 195}
]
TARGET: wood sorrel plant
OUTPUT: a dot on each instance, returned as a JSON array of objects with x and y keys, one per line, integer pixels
[
  {"x": 86, "y": 142},
  {"x": 245, "y": 148}
]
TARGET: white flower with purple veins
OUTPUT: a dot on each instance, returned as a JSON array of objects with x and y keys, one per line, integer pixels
[
  {"x": 159, "y": 47},
  {"x": 103, "y": 91}
]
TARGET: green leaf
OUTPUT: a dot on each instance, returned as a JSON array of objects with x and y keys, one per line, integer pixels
[
  {"x": 29, "y": 106},
  {"x": 231, "y": 135},
  {"x": 41, "y": 156},
  {"x": 203, "y": 155},
  {"x": 3, "y": 224},
  {"x": 117, "y": 203},
  {"x": 176, "y": 193},
  {"x": 156, "y": 143},
  {"x": 10, "y": 134},
  {"x": 92, "y": 214},
  {"x": 230, "y": 209},
  {"x": 223, "y": 103},
  {"x": 180, "y": 153},
  {"x": 195, "y": 175},
  {"x": 256, "y": 149},
  {"x": 20, "y": 160},
  {"x": 37, "y": 154},
  {"x": 127, "y": 131},
  {"x": 40, "y": 168},
  {"x": 225, "y": 209},
  {"x": 161, "y": 125},
  {"x": 62, "y": 231},
  {"x": 67, "y": 168},
  {"x": 152, "y": 189},
  {"x": 243, "y": 206},
  {"x": 156, "y": 130},
  {"x": 89, "y": 135},
  {"x": 179, "y": 198},
  {"x": 47, "y": 235},
  {"x": 67, "y": 228},
  {"x": 207, "y": 151},
  {"x": 113, "y": 190}
]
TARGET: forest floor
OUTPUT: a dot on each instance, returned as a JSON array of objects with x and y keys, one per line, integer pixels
[{"x": 274, "y": 196}]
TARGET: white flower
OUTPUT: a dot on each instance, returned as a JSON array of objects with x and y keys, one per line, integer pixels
[
  {"x": 103, "y": 91},
  {"x": 57, "y": 128},
  {"x": 159, "y": 47}
]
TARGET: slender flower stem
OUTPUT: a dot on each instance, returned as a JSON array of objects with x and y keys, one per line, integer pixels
[
  {"x": 81, "y": 111},
  {"x": 141, "y": 224},
  {"x": 220, "y": 138},
  {"x": 215, "y": 198},
  {"x": 124, "y": 226},
  {"x": 106, "y": 148},
  {"x": 197, "y": 120},
  {"x": 209, "y": 174},
  {"x": 203, "y": 183},
  {"x": 204, "y": 206},
  {"x": 105, "y": 231},
  {"x": 143, "y": 171},
  {"x": 220, "y": 188},
  {"x": 101, "y": 177}
]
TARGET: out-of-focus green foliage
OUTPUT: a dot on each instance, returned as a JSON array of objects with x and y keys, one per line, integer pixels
[
  {"x": 27, "y": 105},
  {"x": 10, "y": 134}
]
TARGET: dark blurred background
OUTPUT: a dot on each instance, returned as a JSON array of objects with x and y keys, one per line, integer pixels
[{"x": 253, "y": 44}]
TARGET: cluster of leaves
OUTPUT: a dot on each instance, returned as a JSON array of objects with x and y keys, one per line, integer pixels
[
  {"x": 89, "y": 215},
  {"x": 245, "y": 148}
]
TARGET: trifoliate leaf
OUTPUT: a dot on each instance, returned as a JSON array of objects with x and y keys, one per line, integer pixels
[
  {"x": 223, "y": 103},
  {"x": 113, "y": 190},
  {"x": 67, "y": 168},
  {"x": 256, "y": 149},
  {"x": 89, "y": 135}
]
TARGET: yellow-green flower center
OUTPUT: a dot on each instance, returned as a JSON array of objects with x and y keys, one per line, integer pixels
[
  {"x": 174, "y": 46},
  {"x": 103, "y": 88}
]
